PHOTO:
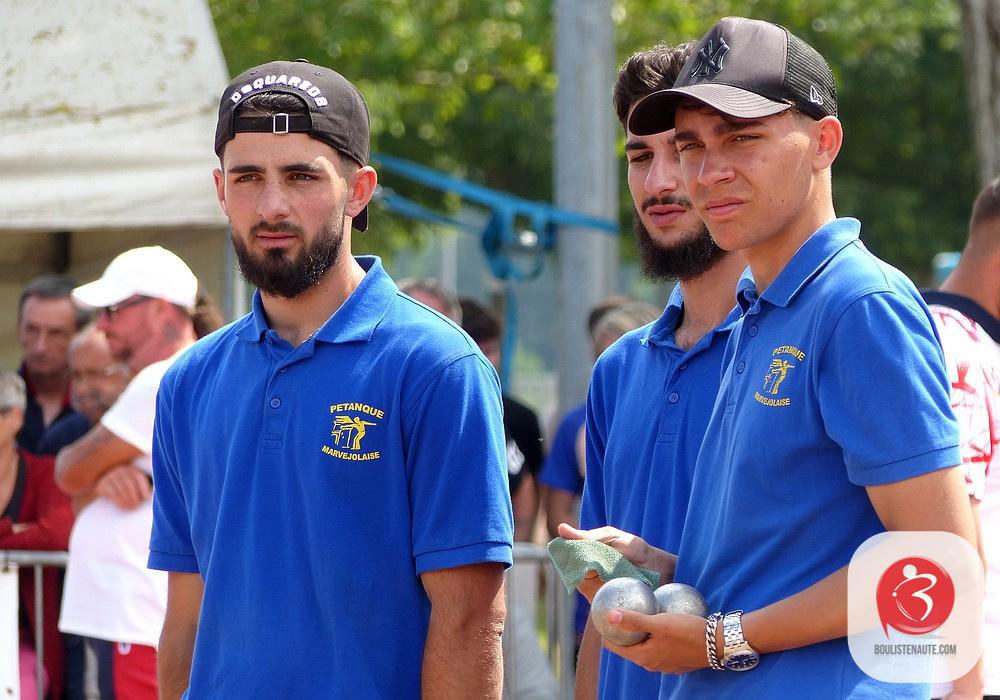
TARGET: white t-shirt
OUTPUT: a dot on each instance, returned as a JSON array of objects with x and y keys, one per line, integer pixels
[
  {"x": 973, "y": 362},
  {"x": 109, "y": 593}
]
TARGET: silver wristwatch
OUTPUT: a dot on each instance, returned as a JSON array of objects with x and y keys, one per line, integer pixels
[{"x": 737, "y": 655}]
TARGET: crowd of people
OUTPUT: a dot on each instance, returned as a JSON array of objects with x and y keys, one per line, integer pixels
[{"x": 321, "y": 498}]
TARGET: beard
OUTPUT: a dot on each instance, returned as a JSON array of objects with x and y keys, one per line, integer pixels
[
  {"x": 695, "y": 254},
  {"x": 276, "y": 272}
]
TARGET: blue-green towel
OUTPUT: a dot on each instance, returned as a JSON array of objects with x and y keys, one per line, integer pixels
[{"x": 574, "y": 558}]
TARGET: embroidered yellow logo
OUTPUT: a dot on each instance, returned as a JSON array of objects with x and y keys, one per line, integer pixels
[
  {"x": 349, "y": 431},
  {"x": 777, "y": 373}
]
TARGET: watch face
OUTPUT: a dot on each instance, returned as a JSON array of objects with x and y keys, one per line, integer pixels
[{"x": 741, "y": 661}]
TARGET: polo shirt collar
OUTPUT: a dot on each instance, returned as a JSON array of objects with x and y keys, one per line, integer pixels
[
  {"x": 809, "y": 259},
  {"x": 662, "y": 330},
  {"x": 355, "y": 320}
]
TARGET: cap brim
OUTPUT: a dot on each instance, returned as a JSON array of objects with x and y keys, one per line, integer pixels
[
  {"x": 100, "y": 294},
  {"x": 655, "y": 113}
]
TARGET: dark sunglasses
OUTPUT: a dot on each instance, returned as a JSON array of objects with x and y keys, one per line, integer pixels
[{"x": 115, "y": 309}]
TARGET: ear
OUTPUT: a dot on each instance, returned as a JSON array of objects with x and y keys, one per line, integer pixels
[
  {"x": 829, "y": 139},
  {"x": 220, "y": 189},
  {"x": 361, "y": 186}
]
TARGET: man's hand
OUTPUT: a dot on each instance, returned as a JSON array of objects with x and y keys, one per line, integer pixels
[
  {"x": 676, "y": 642},
  {"x": 633, "y": 547},
  {"x": 125, "y": 486}
]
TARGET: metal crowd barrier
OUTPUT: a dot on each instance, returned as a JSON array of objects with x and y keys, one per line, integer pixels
[
  {"x": 535, "y": 572},
  {"x": 532, "y": 567},
  {"x": 10, "y": 561}
]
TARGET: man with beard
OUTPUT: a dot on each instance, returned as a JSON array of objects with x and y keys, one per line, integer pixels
[
  {"x": 331, "y": 491},
  {"x": 147, "y": 297},
  {"x": 652, "y": 391}
]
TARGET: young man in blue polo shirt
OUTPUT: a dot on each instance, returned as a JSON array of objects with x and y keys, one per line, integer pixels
[
  {"x": 331, "y": 492},
  {"x": 652, "y": 391},
  {"x": 832, "y": 421}
]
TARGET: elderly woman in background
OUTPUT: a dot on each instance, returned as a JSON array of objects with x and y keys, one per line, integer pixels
[{"x": 34, "y": 514}]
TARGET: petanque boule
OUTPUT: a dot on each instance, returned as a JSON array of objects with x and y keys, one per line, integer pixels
[
  {"x": 680, "y": 598},
  {"x": 621, "y": 594}
]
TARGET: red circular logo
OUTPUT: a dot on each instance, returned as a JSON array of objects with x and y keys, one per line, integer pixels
[{"x": 914, "y": 596}]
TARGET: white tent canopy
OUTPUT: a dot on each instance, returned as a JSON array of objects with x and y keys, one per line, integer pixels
[{"x": 108, "y": 112}]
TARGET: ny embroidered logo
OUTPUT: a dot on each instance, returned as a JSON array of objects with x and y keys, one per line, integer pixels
[{"x": 710, "y": 58}]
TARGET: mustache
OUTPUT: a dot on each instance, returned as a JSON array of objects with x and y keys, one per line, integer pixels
[
  {"x": 667, "y": 199},
  {"x": 275, "y": 227}
]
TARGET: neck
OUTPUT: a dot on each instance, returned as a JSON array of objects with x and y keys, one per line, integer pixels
[
  {"x": 977, "y": 281},
  {"x": 708, "y": 299},
  {"x": 171, "y": 339},
  {"x": 9, "y": 460},
  {"x": 768, "y": 259},
  {"x": 49, "y": 385},
  {"x": 297, "y": 319}
]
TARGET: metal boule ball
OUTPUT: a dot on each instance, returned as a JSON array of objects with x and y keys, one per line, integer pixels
[
  {"x": 622, "y": 594},
  {"x": 680, "y": 598}
]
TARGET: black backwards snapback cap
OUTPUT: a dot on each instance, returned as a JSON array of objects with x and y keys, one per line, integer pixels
[
  {"x": 744, "y": 68},
  {"x": 336, "y": 112}
]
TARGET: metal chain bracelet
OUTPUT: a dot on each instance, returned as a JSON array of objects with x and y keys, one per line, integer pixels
[{"x": 710, "y": 626}]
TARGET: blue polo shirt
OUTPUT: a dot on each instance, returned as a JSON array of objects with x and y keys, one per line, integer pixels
[
  {"x": 311, "y": 486},
  {"x": 834, "y": 380},
  {"x": 647, "y": 409}
]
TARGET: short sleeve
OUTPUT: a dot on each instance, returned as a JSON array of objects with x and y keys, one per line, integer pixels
[
  {"x": 131, "y": 416},
  {"x": 170, "y": 547},
  {"x": 883, "y": 391},
  {"x": 456, "y": 462}
]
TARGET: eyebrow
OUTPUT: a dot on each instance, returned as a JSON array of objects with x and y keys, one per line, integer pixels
[
  {"x": 639, "y": 144},
  {"x": 722, "y": 128},
  {"x": 290, "y": 168}
]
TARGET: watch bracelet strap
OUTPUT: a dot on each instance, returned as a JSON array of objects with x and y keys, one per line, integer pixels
[
  {"x": 732, "y": 632},
  {"x": 711, "y": 624}
]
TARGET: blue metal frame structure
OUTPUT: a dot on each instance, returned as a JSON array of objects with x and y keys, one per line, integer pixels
[{"x": 502, "y": 241}]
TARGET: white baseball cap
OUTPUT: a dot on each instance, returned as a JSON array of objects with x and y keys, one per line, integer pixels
[{"x": 151, "y": 271}]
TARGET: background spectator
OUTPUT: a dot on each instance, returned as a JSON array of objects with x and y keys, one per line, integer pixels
[
  {"x": 34, "y": 514},
  {"x": 967, "y": 315},
  {"x": 147, "y": 298},
  {"x": 432, "y": 293},
  {"x": 96, "y": 380},
  {"x": 46, "y": 320}
]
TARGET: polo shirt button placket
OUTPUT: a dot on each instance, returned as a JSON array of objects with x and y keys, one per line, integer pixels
[
  {"x": 674, "y": 397},
  {"x": 752, "y": 331},
  {"x": 275, "y": 402}
]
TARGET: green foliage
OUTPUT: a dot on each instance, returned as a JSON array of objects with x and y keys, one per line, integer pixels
[{"x": 467, "y": 86}]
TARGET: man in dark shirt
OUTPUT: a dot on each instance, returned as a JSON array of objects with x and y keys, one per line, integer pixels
[{"x": 46, "y": 321}]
